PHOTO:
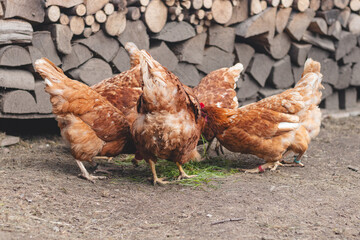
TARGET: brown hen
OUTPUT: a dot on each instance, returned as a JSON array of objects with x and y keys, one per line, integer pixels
[
  {"x": 275, "y": 125},
  {"x": 168, "y": 121}
]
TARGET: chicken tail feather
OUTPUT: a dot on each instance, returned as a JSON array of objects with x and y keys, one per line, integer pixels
[{"x": 134, "y": 53}]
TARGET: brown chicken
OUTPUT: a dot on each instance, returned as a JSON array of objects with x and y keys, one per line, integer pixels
[
  {"x": 218, "y": 89},
  {"x": 89, "y": 123},
  {"x": 168, "y": 121},
  {"x": 275, "y": 125}
]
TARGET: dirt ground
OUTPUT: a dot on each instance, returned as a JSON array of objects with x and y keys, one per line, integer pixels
[{"x": 41, "y": 196}]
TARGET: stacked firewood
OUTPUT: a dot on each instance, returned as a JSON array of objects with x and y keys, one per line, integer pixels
[{"x": 271, "y": 38}]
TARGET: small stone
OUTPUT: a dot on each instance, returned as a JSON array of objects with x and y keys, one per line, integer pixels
[
  {"x": 9, "y": 140},
  {"x": 56, "y": 229},
  {"x": 209, "y": 215}
]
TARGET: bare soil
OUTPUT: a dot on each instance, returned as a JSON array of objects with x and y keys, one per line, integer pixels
[{"x": 41, "y": 196}]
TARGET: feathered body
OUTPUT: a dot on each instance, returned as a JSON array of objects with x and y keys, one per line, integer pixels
[
  {"x": 90, "y": 124},
  {"x": 275, "y": 125},
  {"x": 168, "y": 121}
]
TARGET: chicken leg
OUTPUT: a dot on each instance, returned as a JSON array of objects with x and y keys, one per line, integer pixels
[
  {"x": 272, "y": 165},
  {"x": 296, "y": 163},
  {"x": 183, "y": 175},
  {"x": 85, "y": 174},
  {"x": 156, "y": 180}
]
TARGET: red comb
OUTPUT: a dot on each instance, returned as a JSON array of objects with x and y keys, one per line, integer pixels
[{"x": 202, "y": 105}]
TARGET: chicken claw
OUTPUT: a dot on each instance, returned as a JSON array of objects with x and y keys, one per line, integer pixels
[
  {"x": 85, "y": 174},
  {"x": 183, "y": 175},
  {"x": 260, "y": 169},
  {"x": 295, "y": 163},
  {"x": 156, "y": 180}
]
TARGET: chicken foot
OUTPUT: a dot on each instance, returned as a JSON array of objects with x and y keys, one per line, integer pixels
[
  {"x": 85, "y": 174},
  {"x": 183, "y": 175},
  {"x": 156, "y": 180},
  {"x": 219, "y": 148},
  {"x": 272, "y": 165},
  {"x": 296, "y": 162}
]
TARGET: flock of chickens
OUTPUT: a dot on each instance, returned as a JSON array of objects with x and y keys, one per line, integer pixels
[{"x": 148, "y": 111}]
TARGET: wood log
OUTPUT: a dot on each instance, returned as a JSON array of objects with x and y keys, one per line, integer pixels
[
  {"x": 297, "y": 72},
  {"x": 318, "y": 54},
  {"x": 200, "y": 14},
  {"x": 100, "y": 16},
  {"x": 87, "y": 32},
  {"x": 341, "y": 3},
  {"x": 261, "y": 23},
  {"x": 62, "y": 36},
  {"x": 35, "y": 54},
  {"x": 42, "y": 40},
  {"x": 260, "y": 68},
  {"x": 314, "y": 4},
  {"x": 239, "y": 13},
  {"x": 299, "y": 52},
  {"x": 134, "y": 13},
  {"x": 187, "y": 74},
  {"x": 1, "y": 11},
  {"x": 330, "y": 71},
  {"x": 79, "y": 10},
  {"x": 319, "y": 41},
  {"x": 301, "y": 5},
  {"x": 94, "y": 71},
  {"x": 175, "y": 32},
  {"x": 92, "y": 6},
  {"x": 355, "y": 5},
  {"x": 255, "y": 7},
  {"x": 298, "y": 23},
  {"x": 221, "y": 11},
  {"x": 330, "y": 16},
  {"x": 352, "y": 57},
  {"x": 355, "y": 76},
  {"x": 186, "y": 4},
  {"x": 170, "y": 3},
  {"x": 268, "y": 92},
  {"x": 52, "y": 14},
  {"x": 43, "y": 104},
  {"x": 215, "y": 58},
  {"x": 14, "y": 56},
  {"x": 354, "y": 24},
  {"x": 327, "y": 5},
  {"x": 335, "y": 30},
  {"x": 116, "y": 24},
  {"x": 156, "y": 15},
  {"x": 164, "y": 55},
  {"x": 175, "y": 10},
  {"x": 318, "y": 25},
  {"x": 78, "y": 56},
  {"x": 327, "y": 91},
  {"x": 32, "y": 10},
  {"x": 281, "y": 75},
  {"x": 348, "y": 98},
  {"x": 180, "y": 17},
  {"x": 120, "y": 5},
  {"x": 263, "y": 4},
  {"x": 249, "y": 88},
  {"x": 344, "y": 17},
  {"x": 273, "y": 3},
  {"x": 279, "y": 45},
  {"x": 121, "y": 60},
  {"x": 15, "y": 31},
  {"x": 77, "y": 25},
  {"x": 196, "y": 4},
  {"x": 64, "y": 19},
  {"x": 222, "y": 37},
  {"x": 344, "y": 77},
  {"x": 286, "y": 3},
  {"x": 135, "y": 32},
  {"x": 207, "y": 4},
  {"x": 332, "y": 102},
  {"x": 95, "y": 27},
  {"x": 18, "y": 102},
  {"x": 16, "y": 79},
  {"x": 105, "y": 46},
  {"x": 137, "y": 2},
  {"x": 282, "y": 18},
  {"x": 89, "y": 20},
  {"x": 199, "y": 29},
  {"x": 63, "y": 3},
  {"x": 192, "y": 50},
  {"x": 244, "y": 53},
  {"x": 345, "y": 44},
  {"x": 109, "y": 8}
]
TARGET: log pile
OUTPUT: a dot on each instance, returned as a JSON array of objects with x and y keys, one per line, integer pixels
[{"x": 272, "y": 38}]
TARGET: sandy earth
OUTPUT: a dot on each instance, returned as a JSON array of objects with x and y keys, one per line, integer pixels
[{"x": 41, "y": 196}]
